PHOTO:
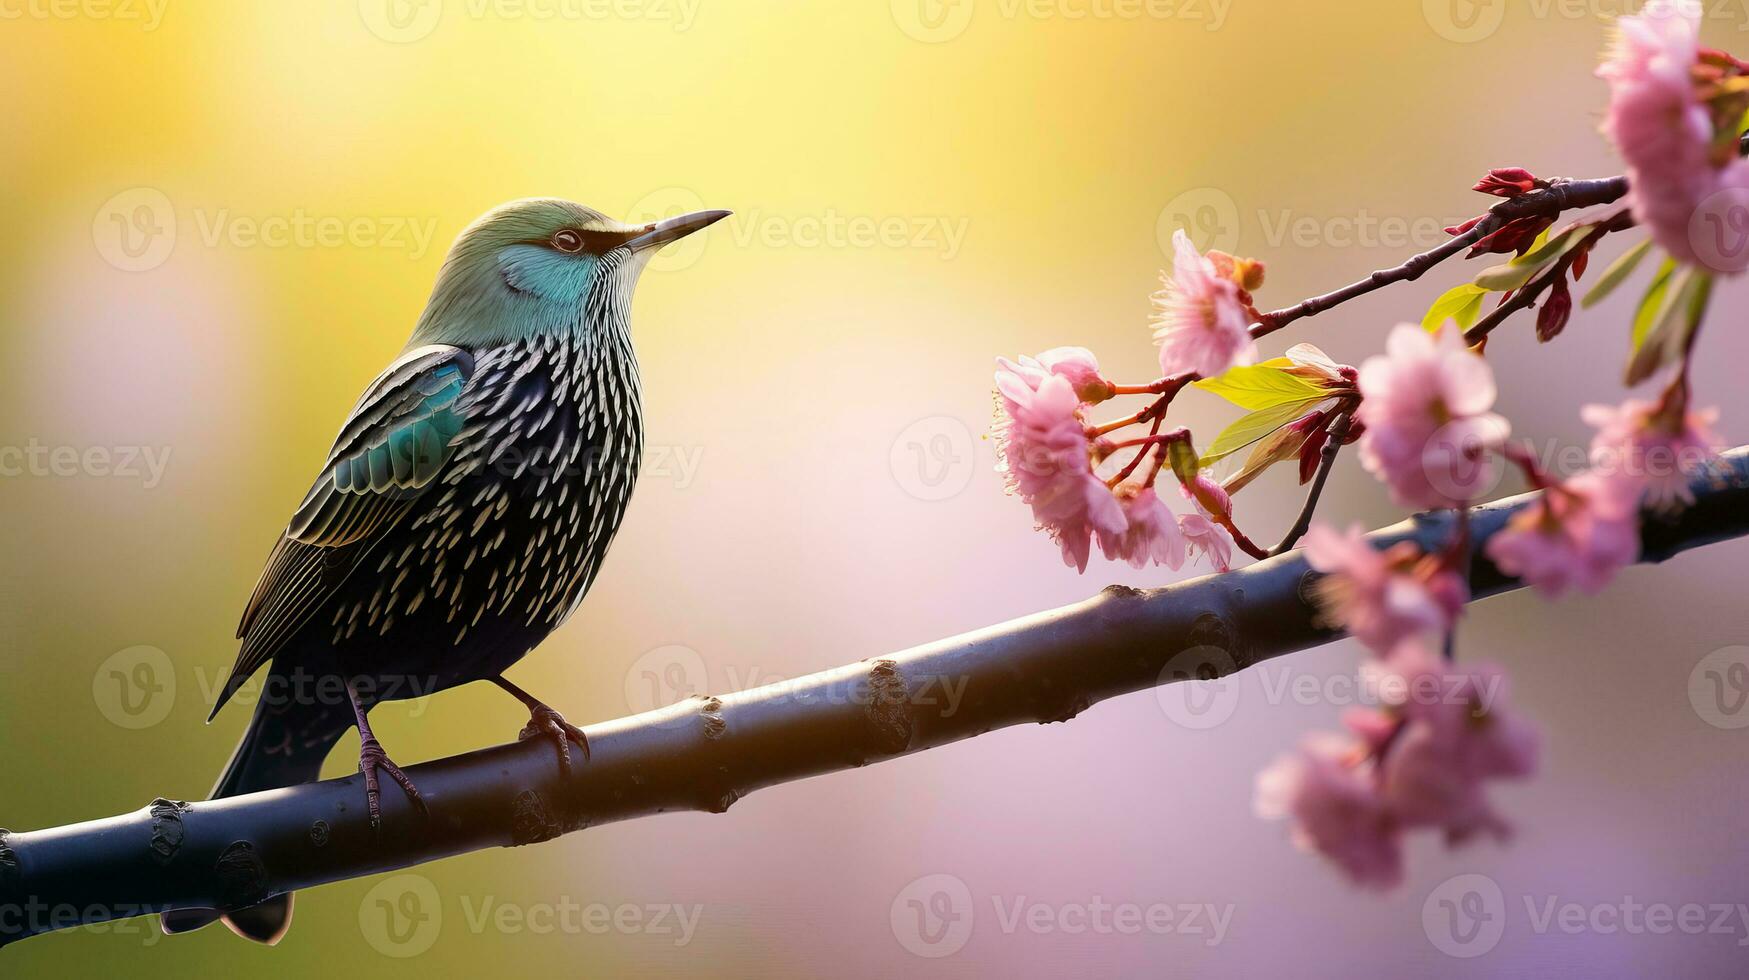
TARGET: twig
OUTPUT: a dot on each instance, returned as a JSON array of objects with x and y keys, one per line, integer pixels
[
  {"x": 1529, "y": 293},
  {"x": 1333, "y": 438},
  {"x": 706, "y": 752},
  {"x": 1560, "y": 196}
]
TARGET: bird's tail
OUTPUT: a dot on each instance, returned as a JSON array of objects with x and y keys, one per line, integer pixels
[{"x": 284, "y": 745}]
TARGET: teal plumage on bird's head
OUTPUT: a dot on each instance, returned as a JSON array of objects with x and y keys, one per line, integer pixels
[
  {"x": 526, "y": 268},
  {"x": 463, "y": 511}
]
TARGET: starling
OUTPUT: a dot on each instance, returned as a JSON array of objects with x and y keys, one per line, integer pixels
[{"x": 463, "y": 511}]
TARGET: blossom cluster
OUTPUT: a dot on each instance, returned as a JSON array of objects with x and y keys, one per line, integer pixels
[
  {"x": 1423, "y": 412},
  {"x": 1049, "y": 452},
  {"x": 1674, "y": 119},
  {"x": 1427, "y": 403},
  {"x": 1585, "y": 529},
  {"x": 1419, "y": 761}
]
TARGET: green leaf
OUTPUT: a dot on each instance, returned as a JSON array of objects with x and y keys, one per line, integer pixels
[
  {"x": 1516, "y": 273},
  {"x": 1283, "y": 445},
  {"x": 1261, "y": 386},
  {"x": 1461, "y": 303},
  {"x": 1541, "y": 239},
  {"x": 1668, "y": 339},
  {"x": 1617, "y": 273},
  {"x": 1253, "y": 426},
  {"x": 1552, "y": 249},
  {"x": 1182, "y": 458},
  {"x": 1500, "y": 278},
  {"x": 1652, "y": 304}
]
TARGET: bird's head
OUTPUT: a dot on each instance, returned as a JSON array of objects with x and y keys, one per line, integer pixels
[{"x": 543, "y": 266}]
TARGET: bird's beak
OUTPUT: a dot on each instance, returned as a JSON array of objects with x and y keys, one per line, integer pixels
[{"x": 673, "y": 229}]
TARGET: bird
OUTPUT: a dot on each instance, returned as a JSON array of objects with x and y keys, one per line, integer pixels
[{"x": 463, "y": 512}]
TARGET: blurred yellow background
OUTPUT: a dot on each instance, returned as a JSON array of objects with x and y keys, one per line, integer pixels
[{"x": 221, "y": 220}]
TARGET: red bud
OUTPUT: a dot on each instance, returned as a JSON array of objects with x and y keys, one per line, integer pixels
[
  {"x": 1515, "y": 236},
  {"x": 1456, "y": 230},
  {"x": 1581, "y": 262},
  {"x": 1552, "y": 318},
  {"x": 1507, "y": 182},
  {"x": 1311, "y": 453}
]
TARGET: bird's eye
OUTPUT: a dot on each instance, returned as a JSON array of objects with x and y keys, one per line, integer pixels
[{"x": 568, "y": 240}]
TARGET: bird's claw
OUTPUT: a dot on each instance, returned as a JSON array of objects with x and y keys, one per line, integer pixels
[
  {"x": 372, "y": 760},
  {"x": 544, "y": 722}
]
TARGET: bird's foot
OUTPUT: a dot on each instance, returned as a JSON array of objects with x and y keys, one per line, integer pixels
[
  {"x": 372, "y": 760},
  {"x": 544, "y": 722}
]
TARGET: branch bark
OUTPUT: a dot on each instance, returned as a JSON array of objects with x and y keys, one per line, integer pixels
[{"x": 707, "y": 752}]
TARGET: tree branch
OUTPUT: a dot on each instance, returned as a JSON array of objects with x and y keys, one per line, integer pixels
[
  {"x": 1560, "y": 196},
  {"x": 706, "y": 752}
]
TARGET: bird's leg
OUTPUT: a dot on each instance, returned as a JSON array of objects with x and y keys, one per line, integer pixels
[
  {"x": 372, "y": 760},
  {"x": 544, "y": 722}
]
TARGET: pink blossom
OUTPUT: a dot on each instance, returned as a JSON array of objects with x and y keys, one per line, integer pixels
[
  {"x": 1044, "y": 450},
  {"x": 1204, "y": 535},
  {"x": 1152, "y": 534},
  {"x": 1653, "y": 451},
  {"x": 1422, "y": 759},
  {"x": 1336, "y": 810},
  {"x": 1426, "y": 411},
  {"x": 1657, "y": 121},
  {"x": 1208, "y": 539},
  {"x": 1458, "y": 733},
  {"x": 1201, "y": 321},
  {"x": 1578, "y": 536},
  {"x": 1208, "y": 496},
  {"x": 1382, "y": 598},
  {"x": 1077, "y": 365}
]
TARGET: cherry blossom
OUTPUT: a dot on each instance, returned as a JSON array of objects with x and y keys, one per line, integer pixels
[
  {"x": 1420, "y": 760},
  {"x": 1202, "y": 318},
  {"x": 1578, "y": 536},
  {"x": 1335, "y": 808},
  {"x": 1426, "y": 412},
  {"x": 1653, "y": 449},
  {"x": 1206, "y": 538},
  {"x": 1382, "y": 598},
  {"x": 1658, "y": 122},
  {"x": 1152, "y": 533},
  {"x": 1458, "y": 733},
  {"x": 1045, "y": 452}
]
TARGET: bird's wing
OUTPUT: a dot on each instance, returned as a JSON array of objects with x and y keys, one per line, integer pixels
[{"x": 391, "y": 450}]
